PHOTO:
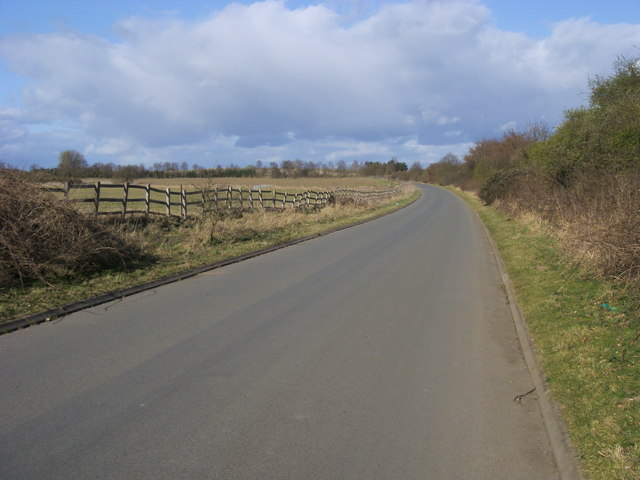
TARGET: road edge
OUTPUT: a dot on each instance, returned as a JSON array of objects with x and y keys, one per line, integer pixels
[
  {"x": 564, "y": 452},
  {"x": 56, "y": 313}
]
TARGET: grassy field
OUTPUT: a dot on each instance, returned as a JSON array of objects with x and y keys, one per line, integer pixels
[
  {"x": 136, "y": 195},
  {"x": 586, "y": 334},
  {"x": 180, "y": 245}
]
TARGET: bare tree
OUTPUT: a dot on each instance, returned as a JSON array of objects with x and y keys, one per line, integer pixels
[{"x": 71, "y": 164}]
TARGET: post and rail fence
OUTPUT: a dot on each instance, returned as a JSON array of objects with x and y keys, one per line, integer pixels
[{"x": 149, "y": 200}]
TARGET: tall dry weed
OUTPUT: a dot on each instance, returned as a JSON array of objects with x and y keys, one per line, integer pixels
[
  {"x": 597, "y": 219},
  {"x": 227, "y": 226}
]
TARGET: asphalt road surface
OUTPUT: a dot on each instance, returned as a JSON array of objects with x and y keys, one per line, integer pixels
[{"x": 384, "y": 351}]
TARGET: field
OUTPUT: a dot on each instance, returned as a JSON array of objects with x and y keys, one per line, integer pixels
[{"x": 173, "y": 195}]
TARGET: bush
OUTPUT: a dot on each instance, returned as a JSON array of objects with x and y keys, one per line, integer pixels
[
  {"x": 603, "y": 138},
  {"x": 499, "y": 185},
  {"x": 44, "y": 238},
  {"x": 596, "y": 218}
]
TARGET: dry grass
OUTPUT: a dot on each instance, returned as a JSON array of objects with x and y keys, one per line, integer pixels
[
  {"x": 597, "y": 220},
  {"x": 220, "y": 226}
]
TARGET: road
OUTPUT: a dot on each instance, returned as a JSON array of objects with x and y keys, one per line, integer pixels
[{"x": 384, "y": 351}]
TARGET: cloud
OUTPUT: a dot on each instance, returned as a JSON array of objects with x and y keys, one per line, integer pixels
[{"x": 288, "y": 82}]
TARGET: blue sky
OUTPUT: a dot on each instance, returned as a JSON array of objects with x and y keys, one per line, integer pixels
[{"x": 222, "y": 82}]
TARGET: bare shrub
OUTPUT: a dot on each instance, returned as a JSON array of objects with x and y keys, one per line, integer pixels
[
  {"x": 602, "y": 223},
  {"x": 44, "y": 238},
  {"x": 597, "y": 218},
  {"x": 500, "y": 185}
]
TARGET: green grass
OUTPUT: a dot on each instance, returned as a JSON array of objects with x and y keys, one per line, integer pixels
[
  {"x": 176, "y": 249},
  {"x": 590, "y": 353}
]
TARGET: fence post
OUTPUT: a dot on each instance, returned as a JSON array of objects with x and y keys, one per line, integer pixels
[
  {"x": 96, "y": 201},
  {"x": 167, "y": 201},
  {"x": 183, "y": 202},
  {"x": 284, "y": 202},
  {"x": 67, "y": 187},
  {"x": 125, "y": 198},
  {"x": 260, "y": 198},
  {"x": 147, "y": 199},
  {"x": 229, "y": 196},
  {"x": 251, "y": 198}
]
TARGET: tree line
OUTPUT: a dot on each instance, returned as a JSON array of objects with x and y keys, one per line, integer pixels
[{"x": 72, "y": 165}]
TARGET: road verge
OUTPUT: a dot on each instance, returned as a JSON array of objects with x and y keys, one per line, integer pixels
[
  {"x": 584, "y": 337},
  {"x": 564, "y": 452}
]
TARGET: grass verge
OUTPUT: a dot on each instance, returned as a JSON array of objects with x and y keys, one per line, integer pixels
[
  {"x": 586, "y": 334},
  {"x": 181, "y": 246}
]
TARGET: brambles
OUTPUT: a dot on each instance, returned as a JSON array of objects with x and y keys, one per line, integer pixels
[
  {"x": 42, "y": 238},
  {"x": 597, "y": 219}
]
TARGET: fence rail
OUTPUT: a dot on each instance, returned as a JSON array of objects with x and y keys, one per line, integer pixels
[{"x": 180, "y": 202}]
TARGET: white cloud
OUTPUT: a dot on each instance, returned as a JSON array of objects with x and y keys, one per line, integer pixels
[
  {"x": 278, "y": 82},
  {"x": 444, "y": 120},
  {"x": 508, "y": 126}
]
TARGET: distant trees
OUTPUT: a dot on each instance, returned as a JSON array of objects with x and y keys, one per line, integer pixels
[
  {"x": 377, "y": 169},
  {"x": 274, "y": 170},
  {"x": 71, "y": 164},
  {"x": 341, "y": 168}
]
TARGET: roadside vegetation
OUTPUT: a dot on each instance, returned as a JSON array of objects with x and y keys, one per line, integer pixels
[
  {"x": 564, "y": 210},
  {"x": 52, "y": 255},
  {"x": 582, "y": 180},
  {"x": 44, "y": 239},
  {"x": 586, "y": 332}
]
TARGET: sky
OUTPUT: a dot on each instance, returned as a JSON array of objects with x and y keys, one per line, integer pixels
[{"x": 220, "y": 82}]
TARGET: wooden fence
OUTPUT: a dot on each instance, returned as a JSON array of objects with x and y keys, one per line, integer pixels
[{"x": 180, "y": 202}]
